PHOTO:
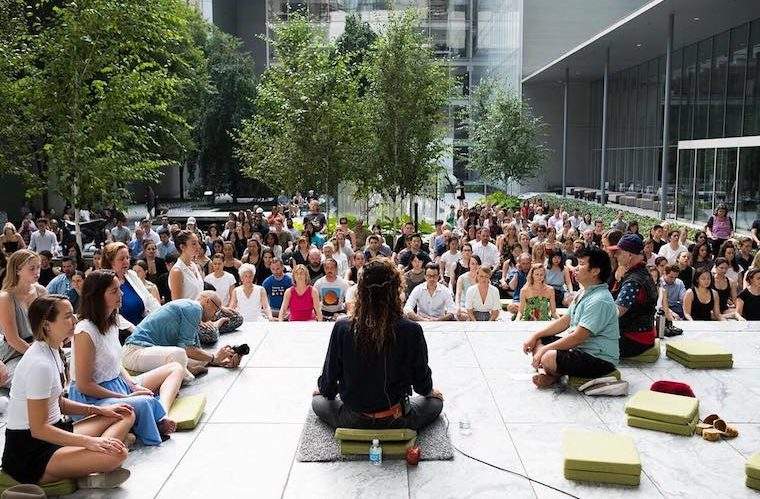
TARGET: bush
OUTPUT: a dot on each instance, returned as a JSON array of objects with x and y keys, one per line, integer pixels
[
  {"x": 501, "y": 199},
  {"x": 599, "y": 212},
  {"x": 393, "y": 225}
]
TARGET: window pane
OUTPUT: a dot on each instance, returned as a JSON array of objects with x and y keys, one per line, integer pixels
[
  {"x": 701, "y": 110},
  {"x": 752, "y": 103},
  {"x": 749, "y": 187},
  {"x": 676, "y": 83},
  {"x": 685, "y": 184},
  {"x": 689, "y": 89},
  {"x": 725, "y": 178},
  {"x": 718, "y": 84},
  {"x": 704, "y": 198},
  {"x": 737, "y": 66}
]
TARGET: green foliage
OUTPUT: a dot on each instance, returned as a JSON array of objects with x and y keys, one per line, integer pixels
[
  {"x": 392, "y": 225},
  {"x": 233, "y": 80},
  {"x": 107, "y": 91},
  {"x": 407, "y": 95},
  {"x": 307, "y": 130},
  {"x": 355, "y": 43},
  {"x": 600, "y": 212},
  {"x": 506, "y": 143},
  {"x": 501, "y": 199}
]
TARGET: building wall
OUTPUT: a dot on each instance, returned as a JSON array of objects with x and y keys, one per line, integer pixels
[
  {"x": 546, "y": 100},
  {"x": 552, "y": 27}
]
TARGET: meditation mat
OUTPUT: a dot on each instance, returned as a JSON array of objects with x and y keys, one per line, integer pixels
[
  {"x": 699, "y": 364},
  {"x": 664, "y": 407},
  {"x": 600, "y": 457},
  {"x": 648, "y": 356},
  {"x": 753, "y": 466},
  {"x": 318, "y": 443},
  {"x": 59, "y": 488},
  {"x": 187, "y": 411},
  {"x": 601, "y": 477},
  {"x": 702, "y": 351},
  {"x": 576, "y": 381},
  {"x": 651, "y": 424},
  {"x": 752, "y": 483}
]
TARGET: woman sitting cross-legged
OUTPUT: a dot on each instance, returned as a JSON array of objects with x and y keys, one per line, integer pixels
[
  {"x": 537, "y": 298},
  {"x": 42, "y": 447},
  {"x": 250, "y": 299},
  {"x": 97, "y": 375},
  {"x": 374, "y": 359}
]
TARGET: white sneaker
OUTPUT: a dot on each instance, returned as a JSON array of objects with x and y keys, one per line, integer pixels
[{"x": 109, "y": 480}]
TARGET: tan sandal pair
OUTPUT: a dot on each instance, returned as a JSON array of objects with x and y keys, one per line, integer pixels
[{"x": 712, "y": 428}]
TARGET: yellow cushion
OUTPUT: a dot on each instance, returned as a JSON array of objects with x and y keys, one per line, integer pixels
[
  {"x": 753, "y": 466},
  {"x": 648, "y": 356},
  {"x": 600, "y": 451},
  {"x": 664, "y": 407},
  {"x": 187, "y": 411},
  {"x": 58, "y": 488}
]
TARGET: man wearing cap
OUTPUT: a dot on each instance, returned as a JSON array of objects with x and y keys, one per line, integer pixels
[
  {"x": 636, "y": 298},
  {"x": 148, "y": 232},
  {"x": 193, "y": 227}
]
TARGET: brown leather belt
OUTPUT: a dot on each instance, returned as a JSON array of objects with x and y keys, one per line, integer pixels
[{"x": 394, "y": 410}]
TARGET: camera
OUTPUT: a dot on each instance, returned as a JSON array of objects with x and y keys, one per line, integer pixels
[{"x": 241, "y": 349}]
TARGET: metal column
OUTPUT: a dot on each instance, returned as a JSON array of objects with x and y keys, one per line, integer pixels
[
  {"x": 564, "y": 134},
  {"x": 666, "y": 123},
  {"x": 603, "y": 173}
]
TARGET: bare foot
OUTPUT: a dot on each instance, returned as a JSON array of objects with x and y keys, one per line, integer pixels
[
  {"x": 544, "y": 380},
  {"x": 129, "y": 440},
  {"x": 166, "y": 426}
]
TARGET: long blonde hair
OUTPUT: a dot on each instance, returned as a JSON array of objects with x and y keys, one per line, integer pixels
[
  {"x": 533, "y": 268},
  {"x": 16, "y": 262}
]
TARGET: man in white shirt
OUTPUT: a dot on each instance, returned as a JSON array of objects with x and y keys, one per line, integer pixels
[
  {"x": 433, "y": 301},
  {"x": 673, "y": 248},
  {"x": 149, "y": 233},
  {"x": 448, "y": 261},
  {"x": 539, "y": 216},
  {"x": 485, "y": 249},
  {"x": 331, "y": 290},
  {"x": 555, "y": 219},
  {"x": 576, "y": 218},
  {"x": 43, "y": 239}
]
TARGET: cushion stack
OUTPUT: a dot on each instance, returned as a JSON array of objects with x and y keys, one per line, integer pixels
[
  {"x": 699, "y": 354},
  {"x": 395, "y": 442},
  {"x": 601, "y": 457},
  {"x": 648, "y": 357},
  {"x": 753, "y": 471},
  {"x": 663, "y": 412}
]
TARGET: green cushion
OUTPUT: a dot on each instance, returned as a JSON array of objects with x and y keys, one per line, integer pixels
[
  {"x": 577, "y": 381},
  {"x": 648, "y": 356},
  {"x": 698, "y": 350},
  {"x": 393, "y": 435},
  {"x": 650, "y": 424},
  {"x": 700, "y": 364},
  {"x": 664, "y": 407},
  {"x": 59, "y": 488},
  {"x": 393, "y": 449},
  {"x": 600, "y": 477},
  {"x": 600, "y": 452},
  {"x": 753, "y": 483},
  {"x": 753, "y": 466},
  {"x": 187, "y": 411}
]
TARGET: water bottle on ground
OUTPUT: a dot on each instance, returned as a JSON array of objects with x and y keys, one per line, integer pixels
[
  {"x": 376, "y": 452},
  {"x": 465, "y": 428}
]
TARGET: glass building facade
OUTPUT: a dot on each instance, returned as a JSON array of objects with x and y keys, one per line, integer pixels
[
  {"x": 715, "y": 94},
  {"x": 476, "y": 38}
]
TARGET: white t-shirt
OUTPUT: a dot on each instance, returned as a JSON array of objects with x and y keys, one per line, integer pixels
[
  {"x": 222, "y": 285},
  {"x": 107, "y": 349},
  {"x": 37, "y": 377},
  {"x": 670, "y": 253},
  {"x": 450, "y": 262},
  {"x": 474, "y": 301},
  {"x": 332, "y": 295}
]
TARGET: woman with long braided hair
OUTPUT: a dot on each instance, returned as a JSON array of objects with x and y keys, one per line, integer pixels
[{"x": 375, "y": 359}]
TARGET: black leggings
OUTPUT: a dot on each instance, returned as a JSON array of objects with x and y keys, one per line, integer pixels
[{"x": 424, "y": 410}]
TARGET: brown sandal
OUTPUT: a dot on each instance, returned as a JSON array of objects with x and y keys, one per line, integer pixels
[
  {"x": 710, "y": 420},
  {"x": 725, "y": 430}
]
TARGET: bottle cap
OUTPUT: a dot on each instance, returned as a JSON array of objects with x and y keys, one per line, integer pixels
[{"x": 375, "y": 441}]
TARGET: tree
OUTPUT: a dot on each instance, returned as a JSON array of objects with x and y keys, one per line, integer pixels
[
  {"x": 307, "y": 126},
  {"x": 408, "y": 92},
  {"x": 356, "y": 43},
  {"x": 505, "y": 138},
  {"x": 233, "y": 79},
  {"x": 111, "y": 89}
]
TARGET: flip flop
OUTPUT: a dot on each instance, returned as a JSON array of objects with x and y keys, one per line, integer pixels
[
  {"x": 710, "y": 419},
  {"x": 725, "y": 430}
]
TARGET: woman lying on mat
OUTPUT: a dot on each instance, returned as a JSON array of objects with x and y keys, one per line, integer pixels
[
  {"x": 97, "y": 374},
  {"x": 374, "y": 360},
  {"x": 42, "y": 447}
]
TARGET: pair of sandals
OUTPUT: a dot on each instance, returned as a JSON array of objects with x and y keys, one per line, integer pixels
[
  {"x": 608, "y": 386},
  {"x": 712, "y": 428}
]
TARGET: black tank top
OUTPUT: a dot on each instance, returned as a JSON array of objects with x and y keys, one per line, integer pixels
[
  {"x": 10, "y": 246},
  {"x": 723, "y": 296},
  {"x": 701, "y": 311}
]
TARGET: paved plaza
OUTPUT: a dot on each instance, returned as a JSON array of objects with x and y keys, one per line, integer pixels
[{"x": 246, "y": 443}]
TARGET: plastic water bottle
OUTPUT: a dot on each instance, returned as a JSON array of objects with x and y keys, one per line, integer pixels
[
  {"x": 465, "y": 428},
  {"x": 376, "y": 452}
]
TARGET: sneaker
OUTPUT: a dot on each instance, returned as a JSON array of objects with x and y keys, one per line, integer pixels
[
  {"x": 109, "y": 480},
  {"x": 671, "y": 331}
]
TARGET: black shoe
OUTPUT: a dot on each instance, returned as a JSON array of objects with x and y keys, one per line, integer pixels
[
  {"x": 672, "y": 331},
  {"x": 669, "y": 325}
]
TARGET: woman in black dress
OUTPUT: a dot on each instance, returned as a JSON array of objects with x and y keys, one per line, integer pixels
[{"x": 701, "y": 302}]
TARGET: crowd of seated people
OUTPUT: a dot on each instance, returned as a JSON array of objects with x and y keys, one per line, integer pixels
[{"x": 138, "y": 316}]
